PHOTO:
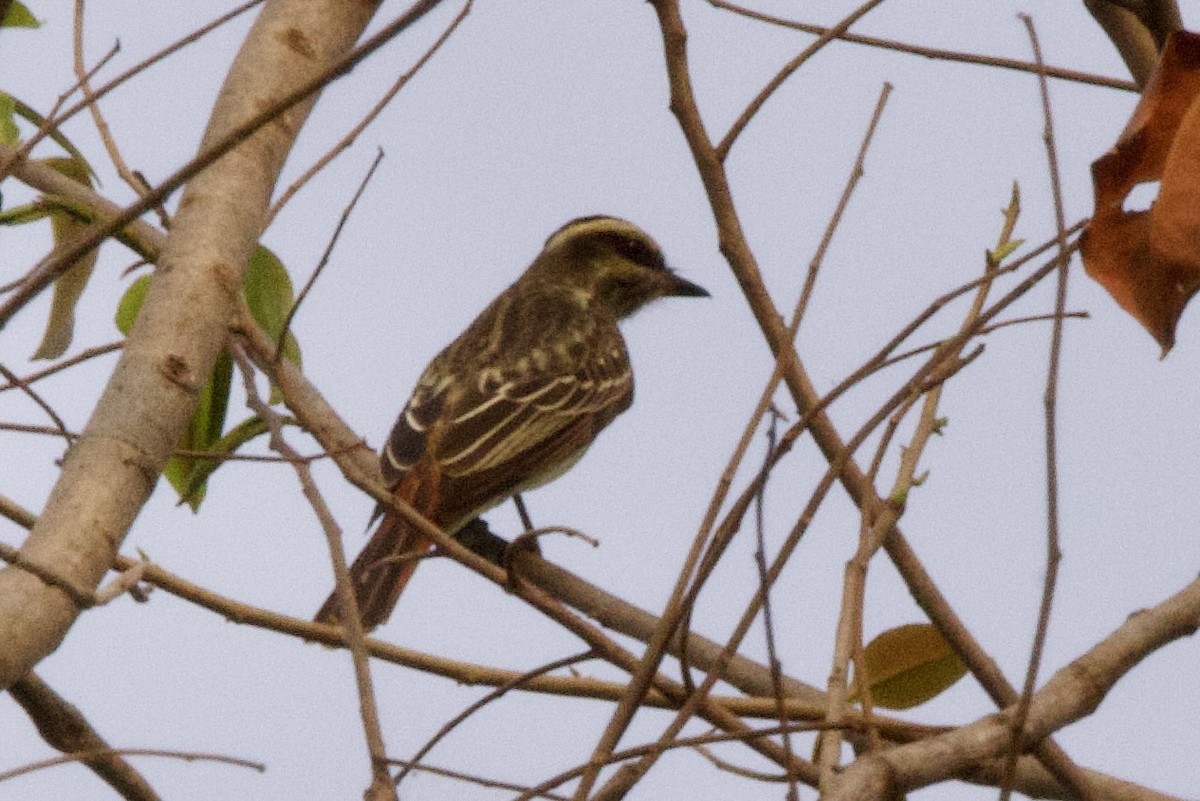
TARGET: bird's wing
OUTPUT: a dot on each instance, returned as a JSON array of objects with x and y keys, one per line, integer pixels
[{"x": 503, "y": 425}]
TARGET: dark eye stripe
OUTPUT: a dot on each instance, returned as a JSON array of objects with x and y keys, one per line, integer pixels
[{"x": 636, "y": 250}]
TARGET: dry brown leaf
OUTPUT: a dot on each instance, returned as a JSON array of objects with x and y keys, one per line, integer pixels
[{"x": 1149, "y": 260}]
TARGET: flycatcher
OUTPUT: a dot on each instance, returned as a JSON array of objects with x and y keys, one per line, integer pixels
[{"x": 517, "y": 398}]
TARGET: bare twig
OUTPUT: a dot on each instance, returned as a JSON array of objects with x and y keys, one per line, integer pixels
[
  {"x": 877, "y": 523},
  {"x": 15, "y": 380},
  {"x": 739, "y": 125},
  {"x": 64, "y": 255},
  {"x": 738, "y": 770},
  {"x": 65, "y": 729},
  {"x": 15, "y": 512},
  {"x": 187, "y": 453},
  {"x": 760, "y": 563},
  {"x": 81, "y": 597},
  {"x": 333, "y": 238},
  {"x": 495, "y": 694},
  {"x": 86, "y": 756},
  {"x": 82, "y": 356},
  {"x": 656, "y": 748},
  {"x": 82, "y": 77},
  {"x": 1050, "y": 402},
  {"x": 49, "y": 431},
  {"x": 54, "y": 120},
  {"x": 691, "y": 577},
  {"x": 480, "y": 780},
  {"x": 370, "y": 116},
  {"x": 933, "y": 52},
  {"x": 381, "y": 784}
]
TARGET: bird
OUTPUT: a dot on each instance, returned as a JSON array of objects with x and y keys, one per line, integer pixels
[{"x": 516, "y": 399}]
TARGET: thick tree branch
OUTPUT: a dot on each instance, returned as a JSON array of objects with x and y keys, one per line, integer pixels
[
  {"x": 145, "y": 407},
  {"x": 65, "y": 728}
]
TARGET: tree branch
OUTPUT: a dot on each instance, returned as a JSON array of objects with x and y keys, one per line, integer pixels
[{"x": 146, "y": 405}]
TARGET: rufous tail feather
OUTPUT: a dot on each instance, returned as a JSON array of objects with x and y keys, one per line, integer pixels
[{"x": 380, "y": 572}]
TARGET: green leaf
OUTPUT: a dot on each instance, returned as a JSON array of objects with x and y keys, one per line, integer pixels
[
  {"x": 68, "y": 287},
  {"x": 209, "y": 421},
  {"x": 27, "y": 113},
  {"x": 269, "y": 294},
  {"x": 1004, "y": 251},
  {"x": 131, "y": 303},
  {"x": 18, "y": 16},
  {"x": 27, "y": 213},
  {"x": 237, "y": 436},
  {"x": 203, "y": 433},
  {"x": 268, "y": 290},
  {"x": 187, "y": 474},
  {"x": 9, "y": 133},
  {"x": 909, "y": 665}
]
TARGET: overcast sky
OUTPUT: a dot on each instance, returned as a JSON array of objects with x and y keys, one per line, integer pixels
[{"x": 535, "y": 113}]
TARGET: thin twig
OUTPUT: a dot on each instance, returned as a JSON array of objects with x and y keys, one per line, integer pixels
[
  {"x": 857, "y": 171},
  {"x": 876, "y": 523},
  {"x": 675, "y": 615},
  {"x": 188, "y": 453},
  {"x": 64, "y": 255},
  {"x": 337, "y": 232},
  {"x": 656, "y": 748},
  {"x": 65, "y": 729},
  {"x": 49, "y": 123},
  {"x": 84, "y": 756},
  {"x": 82, "y": 356},
  {"x": 987, "y": 329},
  {"x": 355, "y": 637},
  {"x": 15, "y": 380},
  {"x": 722, "y": 149},
  {"x": 738, "y": 770},
  {"x": 494, "y": 784},
  {"x": 495, "y": 694},
  {"x": 934, "y": 53},
  {"x": 1050, "y": 401},
  {"x": 82, "y": 77},
  {"x": 49, "y": 431},
  {"x": 760, "y": 563},
  {"x": 370, "y": 116},
  {"x": 54, "y": 120}
]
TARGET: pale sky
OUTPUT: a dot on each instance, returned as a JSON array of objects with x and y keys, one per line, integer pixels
[{"x": 535, "y": 113}]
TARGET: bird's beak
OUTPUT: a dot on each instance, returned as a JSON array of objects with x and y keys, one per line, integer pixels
[{"x": 683, "y": 288}]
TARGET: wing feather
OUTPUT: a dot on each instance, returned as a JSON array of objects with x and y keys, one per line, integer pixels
[{"x": 510, "y": 405}]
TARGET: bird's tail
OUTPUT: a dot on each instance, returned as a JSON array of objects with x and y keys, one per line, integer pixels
[{"x": 381, "y": 571}]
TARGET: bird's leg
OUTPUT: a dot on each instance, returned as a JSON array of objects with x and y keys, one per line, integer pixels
[{"x": 526, "y": 521}]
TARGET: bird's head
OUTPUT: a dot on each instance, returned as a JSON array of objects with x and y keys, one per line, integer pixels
[{"x": 610, "y": 262}]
